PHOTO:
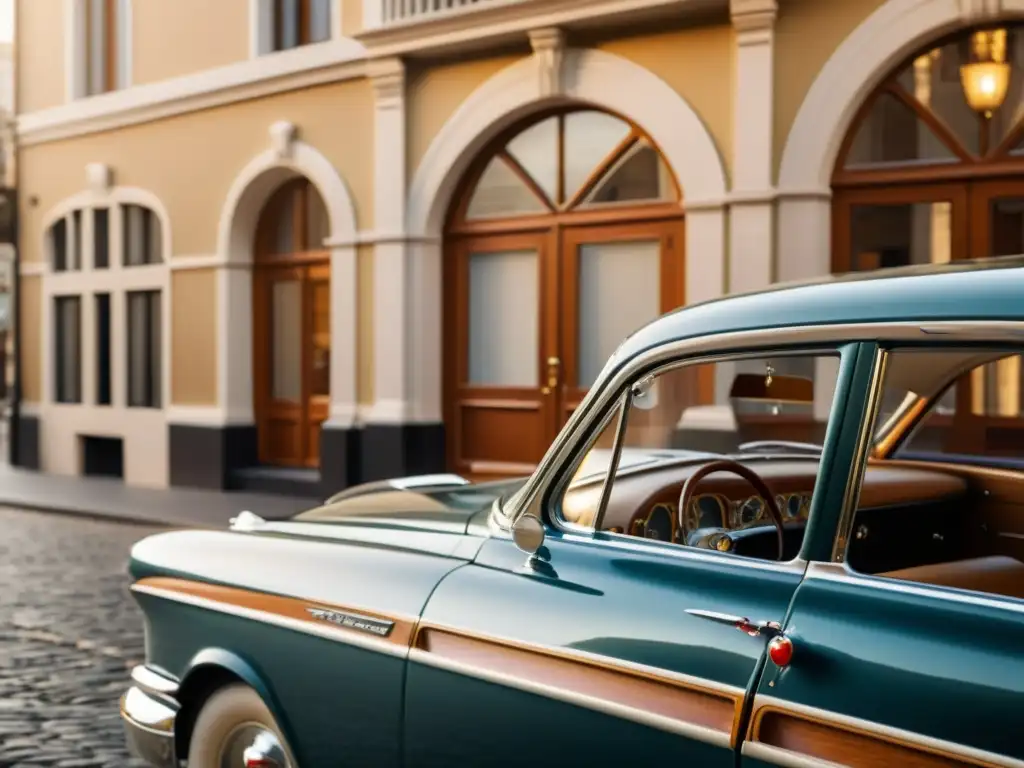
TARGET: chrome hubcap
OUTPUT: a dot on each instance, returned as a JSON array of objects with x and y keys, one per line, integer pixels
[{"x": 253, "y": 746}]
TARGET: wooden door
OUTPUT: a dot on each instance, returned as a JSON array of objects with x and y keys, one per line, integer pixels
[
  {"x": 501, "y": 331},
  {"x": 292, "y": 361},
  {"x": 614, "y": 280}
]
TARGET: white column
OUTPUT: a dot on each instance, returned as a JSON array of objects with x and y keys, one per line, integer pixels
[
  {"x": 751, "y": 218},
  {"x": 391, "y": 279},
  {"x": 344, "y": 374}
]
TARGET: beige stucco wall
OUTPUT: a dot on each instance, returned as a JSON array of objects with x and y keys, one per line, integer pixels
[
  {"x": 40, "y": 66},
  {"x": 30, "y": 317},
  {"x": 433, "y": 94},
  {"x": 194, "y": 337},
  {"x": 698, "y": 63},
  {"x": 189, "y": 162},
  {"x": 807, "y": 33},
  {"x": 364, "y": 331},
  {"x": 187, "y": 36},
  {"x": 351, "y": 16}
]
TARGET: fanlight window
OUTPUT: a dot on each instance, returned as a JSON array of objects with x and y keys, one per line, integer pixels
[
  {"x": 923, "y": 117},
  {"x": 573, "y": 161},
  {"x": 294, "y": 220}
]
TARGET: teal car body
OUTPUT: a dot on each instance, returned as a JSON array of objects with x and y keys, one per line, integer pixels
[{"x": 405, "y": 624}]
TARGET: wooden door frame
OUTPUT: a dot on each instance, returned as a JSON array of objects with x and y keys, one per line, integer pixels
[{"x": 455, "y": 324}]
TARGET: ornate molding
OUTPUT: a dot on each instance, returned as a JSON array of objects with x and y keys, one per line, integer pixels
[
  {"x": 753, "y": 20},
  {"x": 99, "y": 178},
  {"x": 976, "y": 11},
  {"x": 282, "y": 138},
  {"x": 549, "y": 51},
  {"x": 388, "y": 79}
]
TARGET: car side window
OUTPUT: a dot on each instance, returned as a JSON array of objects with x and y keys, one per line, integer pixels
[
  {"x": 942, "y": 497},
  {"x": 737, "y": 442}
]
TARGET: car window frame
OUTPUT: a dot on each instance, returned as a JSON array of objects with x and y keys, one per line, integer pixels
[
  {"x": 837, "y": 568},
  {"x": 842, "y": 350}
]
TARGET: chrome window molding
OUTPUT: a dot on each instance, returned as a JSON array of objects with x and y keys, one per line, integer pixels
[
  {"x": 855, "y": 477},
  {"x": 841, "y": 572}
]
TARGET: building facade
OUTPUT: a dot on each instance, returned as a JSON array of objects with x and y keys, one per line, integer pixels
[{"x": 284, "y": 243}]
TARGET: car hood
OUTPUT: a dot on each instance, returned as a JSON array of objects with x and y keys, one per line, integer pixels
[{"x": 442, "y": 503}]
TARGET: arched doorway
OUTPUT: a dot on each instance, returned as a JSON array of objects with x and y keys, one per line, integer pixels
[
  {"x": 565, "y": 236},
  {"x": 932, "y": 170},
  {"x": 291, "y": 326}
]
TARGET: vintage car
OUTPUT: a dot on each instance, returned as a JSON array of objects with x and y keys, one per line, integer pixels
[{"x": 784, "y": 528}]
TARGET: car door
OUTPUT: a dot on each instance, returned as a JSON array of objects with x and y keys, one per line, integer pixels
[
  {"x": 604, "y": 649},
  {"x": 891, "y": 671}
]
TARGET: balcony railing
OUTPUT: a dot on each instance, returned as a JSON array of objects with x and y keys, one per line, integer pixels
[{"x": 386, "y": 13}]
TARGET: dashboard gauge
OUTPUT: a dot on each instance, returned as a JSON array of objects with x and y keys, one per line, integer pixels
[
  {"x": 712, "y": 512},
  {"x": 693, "y": 515},
  {"x": 793, "y": 505},
  {"x": 659, "y": 523},
  {"x": 751, "y": 510},
  {"x": 805, "y": 507}
]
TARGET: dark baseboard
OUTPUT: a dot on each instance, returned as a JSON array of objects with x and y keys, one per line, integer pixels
[
  {"x": 397, "y": 450},
  {"x": 280, "y": 481},
  {"x": 340, "y": 459},
  {"x": 27, "y": 449},
  {"x": 206, "y": 457}
]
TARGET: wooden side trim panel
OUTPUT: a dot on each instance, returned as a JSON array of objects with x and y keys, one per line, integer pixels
[
  {"x": 657, "y": 700},
  {"x": 336, "y": 622},
  {"x": 818, "y": 738}
]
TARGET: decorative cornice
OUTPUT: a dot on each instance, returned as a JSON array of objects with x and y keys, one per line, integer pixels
[
  {"x": 753, "y": 20},
  {"x": 305, "y": 67},
  {"x": 388, "y": 79},
  {"x": 549, "y": 51}
]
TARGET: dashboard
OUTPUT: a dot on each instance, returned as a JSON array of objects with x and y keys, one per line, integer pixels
[{"x": 643, "y": 501}]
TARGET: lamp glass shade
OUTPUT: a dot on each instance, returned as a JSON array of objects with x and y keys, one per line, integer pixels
[{"x": 985, "y": 84}]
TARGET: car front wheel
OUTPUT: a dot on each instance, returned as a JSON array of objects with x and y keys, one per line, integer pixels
[{"x": 234, "y": 729}]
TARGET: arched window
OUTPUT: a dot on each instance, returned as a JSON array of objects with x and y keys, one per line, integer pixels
[
  {"x": 565, "y": 236},
  {"x": 932, "y": 170},
  {"x": 291, "y": 316}
]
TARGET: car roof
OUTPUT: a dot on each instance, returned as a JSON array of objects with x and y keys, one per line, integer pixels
[{"x": 982, "y": 289}]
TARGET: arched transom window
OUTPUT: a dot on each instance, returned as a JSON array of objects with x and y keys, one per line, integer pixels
[
  {"x": 574, "y": 161},
  {"x": 932, "y": 170}
]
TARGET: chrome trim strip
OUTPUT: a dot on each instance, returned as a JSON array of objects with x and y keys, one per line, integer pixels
[
  {"x": 828, "y": 717},
  {"x": 153, "y": 682},
  {"x": 861, "y": 451},
  {"x": 841, "y": 573},
  {"x": 718, "y": 344},
  {"x": 687, "y": 730},
  {"x": 324, "y": 630},
  {"x": 766, "y": 753},
  {"x": 576, "y": 655}
]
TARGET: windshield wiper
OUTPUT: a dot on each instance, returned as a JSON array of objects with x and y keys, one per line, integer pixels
[{"x": 772, "y": 446}]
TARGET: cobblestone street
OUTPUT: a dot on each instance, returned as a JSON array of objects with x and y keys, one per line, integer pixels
[{"x": 69, "y": 634}]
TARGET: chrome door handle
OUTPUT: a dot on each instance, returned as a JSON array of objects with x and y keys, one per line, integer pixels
[{"x": 769, "y": 629}]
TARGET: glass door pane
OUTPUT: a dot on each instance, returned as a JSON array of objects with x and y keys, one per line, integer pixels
[
  {"x": 320, "y": 314},
  {"x": 286, "y": 340},
  {"x": 619, "y": 291},
  {"x": 896, "y": 235},
  {"x": 504, "y": 296}
]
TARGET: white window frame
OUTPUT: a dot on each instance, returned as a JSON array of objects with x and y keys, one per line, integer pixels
[
  {"x": 76, "y": 48},
  {"x": 261, "y": 27}
]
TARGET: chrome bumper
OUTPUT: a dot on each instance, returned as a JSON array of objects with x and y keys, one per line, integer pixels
[{"x": 148, "y": 710}]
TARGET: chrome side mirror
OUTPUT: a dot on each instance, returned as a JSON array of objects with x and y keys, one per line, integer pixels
[{"x": 528, "y": 534}]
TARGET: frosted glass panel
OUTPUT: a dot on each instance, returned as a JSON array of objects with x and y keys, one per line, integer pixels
[
  {"x": 619, "y": 291},
  {"x": 536, "y": 150},
  {"x": 503, "y": 316},
  {"x": 286, "y": 353},
  {"x": 589, "y": 138}
]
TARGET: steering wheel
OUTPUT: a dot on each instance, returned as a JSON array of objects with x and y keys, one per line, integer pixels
[{"x": 728, "y": 465}]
